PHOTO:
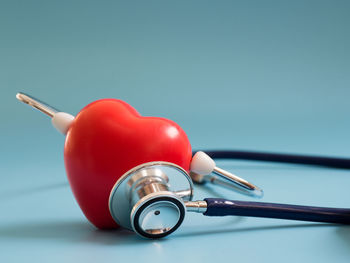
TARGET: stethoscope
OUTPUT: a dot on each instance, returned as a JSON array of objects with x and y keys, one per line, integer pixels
[{"x": 152, "y": 198}]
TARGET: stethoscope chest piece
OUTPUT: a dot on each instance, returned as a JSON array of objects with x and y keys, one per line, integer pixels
[{"x": 149, "y": 198}]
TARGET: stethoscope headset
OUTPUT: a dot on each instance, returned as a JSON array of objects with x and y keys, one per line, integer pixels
[{"x": 138, "y": 172}]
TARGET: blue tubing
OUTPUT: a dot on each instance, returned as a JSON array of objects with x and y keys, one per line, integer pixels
[
  {"x": 334, "y": 162},
  {"x": 223, "y": 207}
]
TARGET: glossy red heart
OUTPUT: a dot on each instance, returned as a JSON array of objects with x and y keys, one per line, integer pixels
[{"x": 109, "y": 137}]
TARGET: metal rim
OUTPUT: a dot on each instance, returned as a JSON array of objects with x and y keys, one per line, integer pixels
[
  {"x": 148, "y": 200},
  {"x": 116, "y": 189}
]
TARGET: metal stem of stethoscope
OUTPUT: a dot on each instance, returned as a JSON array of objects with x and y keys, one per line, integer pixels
[
  {"x": 60, "y": 120},
  {"x": 35, "y": 103}
]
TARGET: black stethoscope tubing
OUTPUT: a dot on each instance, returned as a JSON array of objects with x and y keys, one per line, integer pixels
[
  {"x": 332, "y": 162},
  {"x": 224, "y": 207}
]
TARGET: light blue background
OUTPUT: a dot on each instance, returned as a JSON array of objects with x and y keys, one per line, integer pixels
[{"x": 259, "y": 75}]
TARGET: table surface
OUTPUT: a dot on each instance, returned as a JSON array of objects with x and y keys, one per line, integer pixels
[{"x": 269, "y": 75}]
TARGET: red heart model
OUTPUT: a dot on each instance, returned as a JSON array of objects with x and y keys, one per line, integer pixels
[{"x": 109, "y": 137}]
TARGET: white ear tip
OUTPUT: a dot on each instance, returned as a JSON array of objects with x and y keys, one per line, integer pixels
[
  {"x": 62, "y": 121},
  {"x": 202, "y": 164}
]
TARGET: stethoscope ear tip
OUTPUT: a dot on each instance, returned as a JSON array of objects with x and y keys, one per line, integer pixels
[
  {"x": 60, "y": 120},
  {"x": 203, "y": 169}
]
